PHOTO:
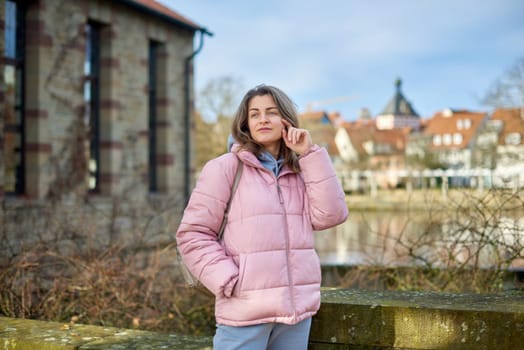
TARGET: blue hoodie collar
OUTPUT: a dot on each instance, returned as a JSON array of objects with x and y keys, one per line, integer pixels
[
  {"x": 270, "y": 163},
  {"x": 266, "y": 159}
]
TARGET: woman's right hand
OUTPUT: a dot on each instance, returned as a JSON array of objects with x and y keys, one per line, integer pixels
[
  {"x": 298, "y": 140},
  {"x": 229, "y": 288}
]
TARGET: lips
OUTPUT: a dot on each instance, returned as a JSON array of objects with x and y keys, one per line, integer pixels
[{"x": 264, "y": 129}]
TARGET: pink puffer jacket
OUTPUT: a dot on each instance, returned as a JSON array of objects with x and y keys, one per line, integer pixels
[{"x": 266, "y": 268}]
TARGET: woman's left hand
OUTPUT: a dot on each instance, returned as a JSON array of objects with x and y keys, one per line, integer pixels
[{"x": 298, "y": 140}]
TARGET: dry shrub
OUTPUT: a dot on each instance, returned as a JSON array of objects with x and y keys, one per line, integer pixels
[
  {"x": 68, "y": 272},
  {"x": 103, "y": 288},
  {"x": 468, "y": 243},
  {"x": 57, "y": 264}
]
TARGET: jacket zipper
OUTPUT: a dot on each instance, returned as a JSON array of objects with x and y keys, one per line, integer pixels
[{"x": 286, "y": 234}]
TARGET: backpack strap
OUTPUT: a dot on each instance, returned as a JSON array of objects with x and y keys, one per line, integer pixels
[{"x": 233, "y": 190}]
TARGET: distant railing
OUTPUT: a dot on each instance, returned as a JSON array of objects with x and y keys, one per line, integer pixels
[{"x": 370, "y": 180}]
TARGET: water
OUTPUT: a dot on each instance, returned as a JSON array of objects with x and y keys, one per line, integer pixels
[{"x": 441, "y": 239}]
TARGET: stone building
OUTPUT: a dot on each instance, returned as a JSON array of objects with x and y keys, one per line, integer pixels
[{"x": 96, "y": 99}]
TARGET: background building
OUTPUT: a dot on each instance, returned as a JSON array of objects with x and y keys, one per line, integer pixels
[{"x": 96, "y": 98}]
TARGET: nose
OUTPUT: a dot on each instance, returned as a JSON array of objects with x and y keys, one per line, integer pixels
[{"x": 264, "y": 118}]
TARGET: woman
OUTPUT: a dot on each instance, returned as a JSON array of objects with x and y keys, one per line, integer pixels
[{"x": 265, "y": 273}]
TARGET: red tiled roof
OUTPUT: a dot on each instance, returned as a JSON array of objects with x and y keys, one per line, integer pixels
[
  {"x": 312, "y": 116},
  {"x": 359, "y": 123},
  {"x": 513, "y": 123},
  {"x": 423, "y": 123},
  {"x": 450, "y": 123},
  {"x": 316, "y": 116},
  {"x": 161, "y": 10},
  {"x": 394, "y": 137},
  {"x": 326, "y": 137},
  {"x": 360, "y": 133},
  {"x": 322, "y": 132},
  {"x": 334, "y": 117}
]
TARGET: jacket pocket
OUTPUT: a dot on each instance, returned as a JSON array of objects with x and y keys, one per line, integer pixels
[
  {"x": 263, "y": 270},
  {"x": 241, "y": 274}
]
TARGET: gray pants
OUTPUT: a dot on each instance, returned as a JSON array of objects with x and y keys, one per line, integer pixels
[{"x": 266, "y": 336}]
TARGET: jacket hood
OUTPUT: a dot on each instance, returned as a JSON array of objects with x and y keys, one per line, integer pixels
[{"x": 230, "y": 142}]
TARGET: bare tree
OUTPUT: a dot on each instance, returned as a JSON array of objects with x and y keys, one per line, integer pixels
[
  {"x": 218, "y": 98},
  {"x": 469, "y": 243},
  {"x": 508, "y": 90},
  {"x": 216, "y": 107}
]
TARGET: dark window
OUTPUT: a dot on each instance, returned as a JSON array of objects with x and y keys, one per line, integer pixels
[
  {"x": 14, "y": 127},
  {"x": 92, "y": 103},
  {"x": 153, "y": 114}
]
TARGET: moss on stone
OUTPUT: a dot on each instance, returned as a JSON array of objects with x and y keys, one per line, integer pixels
[
  {"x": 420, "y": 320},
  {"x": 362, "y": 320},
  {"x": 21, "y": 334}
]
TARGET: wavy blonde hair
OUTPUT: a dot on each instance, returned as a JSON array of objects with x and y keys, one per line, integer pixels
[{"x": 288, "y": 111}]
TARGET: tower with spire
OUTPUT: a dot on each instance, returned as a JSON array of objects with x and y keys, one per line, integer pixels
[{"x": 398, "y": 113}]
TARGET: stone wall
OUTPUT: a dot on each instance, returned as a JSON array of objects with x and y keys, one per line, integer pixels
[
  {"x": 16, "y": 334},
  {"x": 365, "y": 320},
  {"x": 55, "y": 146},
  {"x": 2, "y": 101},
  {"x": 347, "y": 319}
]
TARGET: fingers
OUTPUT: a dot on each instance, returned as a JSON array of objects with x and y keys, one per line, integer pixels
[
  {"x": 295, "y": 135},
  {"x": 290, "y": 133},
  {"x": 296, "y": 139}
]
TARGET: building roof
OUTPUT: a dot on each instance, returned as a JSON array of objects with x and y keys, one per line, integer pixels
[
  {"x": 513, "y": 122},
  {"x": 449, "y": 123},
  {"x": 359, "y": 135},
  {"x": 333, "y": 118},
  {"x": 399, "y": 105},
  {"x": 326, "y": 137},
  {"x": 391, "y": 141},
  {"x": 314, "y": 116},
  {"x": 322, "y": 127},
  {"x": 154, "y": 8}
]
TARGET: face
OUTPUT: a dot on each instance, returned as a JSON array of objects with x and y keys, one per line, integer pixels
[{"x": 265, "y": 122}]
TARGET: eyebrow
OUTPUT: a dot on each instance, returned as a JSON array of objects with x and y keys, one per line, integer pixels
[{"x": 267, "y": 109}]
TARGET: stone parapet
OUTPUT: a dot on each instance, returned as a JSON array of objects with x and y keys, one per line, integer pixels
[
  {"x": 29, "y": 334},
  {"x": 359, "y": 319},
  {"x": 347, "y": 319}
]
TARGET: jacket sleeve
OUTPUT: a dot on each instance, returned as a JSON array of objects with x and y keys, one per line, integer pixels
[
  {"x": 197, "y": 235},
  {"x": 326, "y": 198}
]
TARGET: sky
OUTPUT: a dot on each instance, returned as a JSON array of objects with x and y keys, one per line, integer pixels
[{"x": 345, "y": 55}]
